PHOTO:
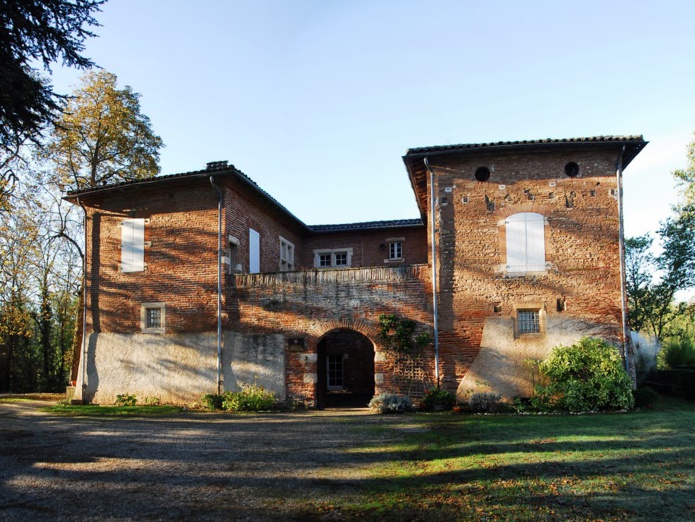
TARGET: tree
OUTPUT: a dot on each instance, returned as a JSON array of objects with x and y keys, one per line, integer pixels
[
  {"x": 649, "y": 301},
  {"x": 686, "y": 177},
  {"x": 43, "y": 31},
  {"x": 102, "y": 136}
]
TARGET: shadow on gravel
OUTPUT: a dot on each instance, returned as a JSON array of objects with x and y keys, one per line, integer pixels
[{"x": 259, "y": 467}]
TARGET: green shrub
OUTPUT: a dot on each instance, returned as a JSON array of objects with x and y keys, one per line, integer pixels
[
  {"x": 437, "y": 396},
  {"x": 677, "y": 353},
  {"x": 586, "y": 376},
  {"x": 391, "y": 403},
  {"x": 249, "y": 398},
  {"x": 485, "y": 402},
  {"x": 212, "y": 401},
  {"x": 126, "y": 400},
  {"x": 152, "y": 401}
]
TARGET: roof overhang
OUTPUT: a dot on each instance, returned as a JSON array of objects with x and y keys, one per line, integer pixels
[
  {"x": 165, "y": 182},
  {"x": 414, "y": 158}
]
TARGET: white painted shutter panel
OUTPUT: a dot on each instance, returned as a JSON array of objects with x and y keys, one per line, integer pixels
[
  {"x": 516, "y": 244},
  {"x": 254, "y": 251},
  {"x": 133, "y": 245},
  {"x": 535, "y": 242}
]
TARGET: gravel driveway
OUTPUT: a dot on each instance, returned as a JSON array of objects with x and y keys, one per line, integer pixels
[{"x": 186, "y": 467}]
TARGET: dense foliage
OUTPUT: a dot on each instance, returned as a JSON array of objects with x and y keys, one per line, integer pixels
[
  {"x": 438, "y": 397},
  {"x": 398, "y": 334},
  {"x": 44, "y": 31},
  {"x": 102, "y": 137},
  {"x": 586, "y": 376},
  {"x": 250, "y": 398},
  {"x": 677, "y": 353}
]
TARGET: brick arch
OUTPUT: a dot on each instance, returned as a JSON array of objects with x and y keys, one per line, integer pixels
[{"x": 369, "y": 330}]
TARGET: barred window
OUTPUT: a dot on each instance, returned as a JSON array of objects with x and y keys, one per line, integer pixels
[
  {"x": 529, "y": 321},
  {"x": 153, "y": 317}
]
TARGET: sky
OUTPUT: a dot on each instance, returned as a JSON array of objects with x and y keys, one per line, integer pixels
[{"x": 318, "y": 100}]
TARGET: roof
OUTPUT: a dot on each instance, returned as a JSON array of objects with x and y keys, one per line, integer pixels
[
  {"x": 367, "y": 225},
  {"x": 216, "y": 168},
  {"x": 414, "y": 158}
]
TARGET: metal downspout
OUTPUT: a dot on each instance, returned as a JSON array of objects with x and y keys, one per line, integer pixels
[
  {"x": 621, "y": 242},
  {"x": 219, "y": 285},
  {"x": 435, "y": 311},
  {"x": 84, "y": 304}
]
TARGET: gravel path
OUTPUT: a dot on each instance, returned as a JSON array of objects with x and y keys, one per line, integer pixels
[{"x": 186, "y": 467}]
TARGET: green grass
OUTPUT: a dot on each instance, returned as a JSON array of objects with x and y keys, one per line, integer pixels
[
  {"x": 90, "y": 410},
  {"x": 636, "y": 466}
]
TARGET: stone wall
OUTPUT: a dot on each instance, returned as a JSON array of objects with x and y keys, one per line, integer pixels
[{"x": 178, "y": 368}]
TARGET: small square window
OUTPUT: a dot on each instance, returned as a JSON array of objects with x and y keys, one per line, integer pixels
[
  {"x": 396, "y": 250},
  {"x": 341, "y": 259},
  {"x": 324, "y": 259},
  {"x": 152, "y": 317},
  {"x": 528, "y": 322}
]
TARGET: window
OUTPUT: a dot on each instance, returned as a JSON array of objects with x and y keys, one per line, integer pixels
[
  {"x": 335, "y": 371},
  {"x": 338, "y": 257},
  {"x": 529, "y": 320},
  {"x": 152, "y": 317},
  {"x": 525, "y": 243},
  {"x": 325, "y": 259},
  {"x": 396, "y": 250},
  {"x": 254, "y": 251},
  {"x": 286, "y": 255},
  {"x": 132, "y": 245}
]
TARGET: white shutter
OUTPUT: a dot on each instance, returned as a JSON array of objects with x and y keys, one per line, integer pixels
[
  {"x": 133, "y": 245},
  {"x": 254, "y": 251},
  {"x": 525, "y": 243},
  {"x": 535, "y": 242},
  {"x": 516, "y": 244}
]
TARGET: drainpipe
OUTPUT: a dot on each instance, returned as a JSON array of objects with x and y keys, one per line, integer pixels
[
  {"x": 219, "y": 285},
  {"x": 84, "y": 304},
  {"x": 621, "y": 242},
  {"x": 435, "y": 312}
]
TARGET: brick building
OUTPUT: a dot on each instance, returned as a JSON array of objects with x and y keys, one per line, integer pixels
[{"x": 200, "y": 282}]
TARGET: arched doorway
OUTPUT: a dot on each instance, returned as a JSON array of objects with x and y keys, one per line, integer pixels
[{"x": 345, "y": 369}]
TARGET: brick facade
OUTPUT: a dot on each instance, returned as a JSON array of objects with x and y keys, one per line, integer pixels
[{"x": 295, "y": 319}]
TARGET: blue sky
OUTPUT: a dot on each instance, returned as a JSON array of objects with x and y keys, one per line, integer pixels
[{"x": 318, "y": 100}]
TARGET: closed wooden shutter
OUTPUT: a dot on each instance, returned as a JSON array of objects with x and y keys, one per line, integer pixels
[
  {"x": 525, "y": 243},
  {"x": 535, "y": 242},
  {"x": 132, "y": 245}
]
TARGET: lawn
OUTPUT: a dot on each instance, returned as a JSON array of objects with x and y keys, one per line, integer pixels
[{"x": 625, "y": 466}]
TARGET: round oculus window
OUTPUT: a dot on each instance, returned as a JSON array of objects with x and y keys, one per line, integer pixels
[{"x": 482, "y": 174}]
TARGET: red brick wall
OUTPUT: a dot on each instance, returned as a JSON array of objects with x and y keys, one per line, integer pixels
[
  {"x": 581, "y": 241},
  {"x": 311, "y": 304},
  {"x": 244, "y": 211},
  {"x": 181, "y": 261},
  {"x": 370, "y": 248}
]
